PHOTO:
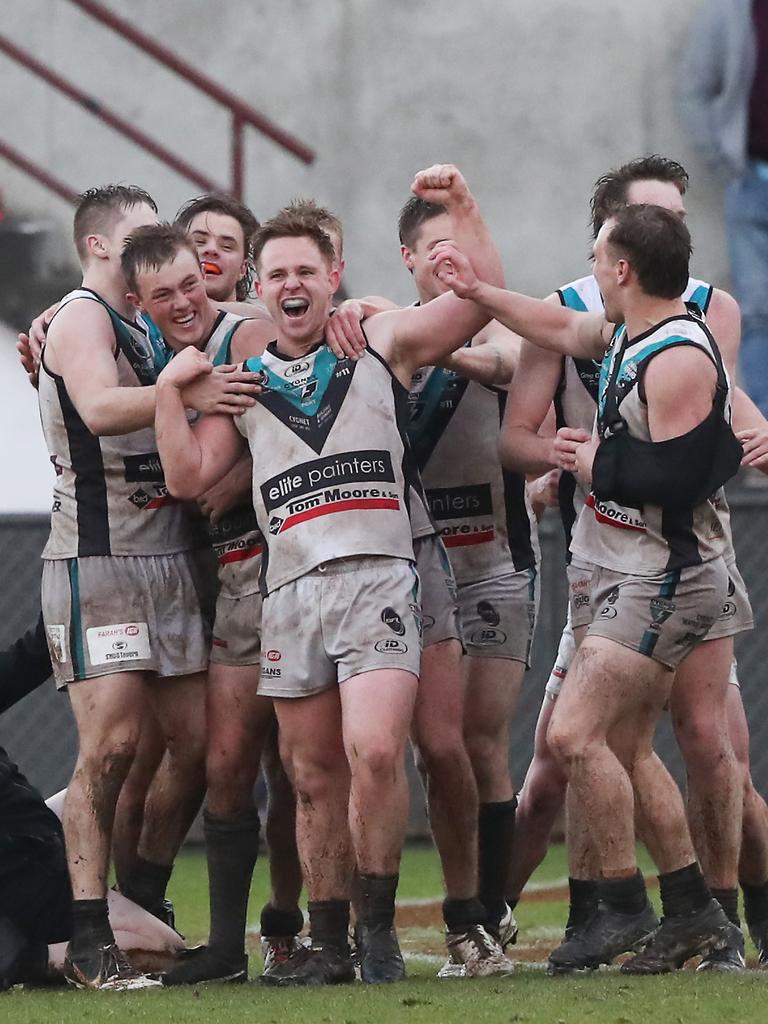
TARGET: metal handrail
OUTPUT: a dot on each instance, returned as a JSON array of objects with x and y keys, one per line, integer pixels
[
  {"x": 242, "y": 113},
  {"x": 98, "y": 109},
  {"x": 38, "y": 173}
]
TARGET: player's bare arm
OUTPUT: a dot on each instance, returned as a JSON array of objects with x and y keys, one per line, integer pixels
[
  {"x": 491, "y": 359},
  {"x": 80, "y": 348},
  {"x": 249, "y": 340},
  {"x": 521, "y": 447},
  {"x": 557, "y": 328},
  {"x": 668, "y": 416},
  {"x": 193, "y": 459},
  {"x": 344, "y": 333}
]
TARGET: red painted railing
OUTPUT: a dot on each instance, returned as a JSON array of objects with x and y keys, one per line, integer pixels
[
  {"x": 98, "y": 109},
  {"x": 242, "y": 114}
]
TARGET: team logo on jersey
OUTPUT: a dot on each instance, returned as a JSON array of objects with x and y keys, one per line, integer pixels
[
  {"x": 390, "y": 618},
  {"x": 296, "y": 369},
  {"x": 145, "y": 468},
  {"x": 488, "y": 613},
  {"x": 143, "y": 501}
]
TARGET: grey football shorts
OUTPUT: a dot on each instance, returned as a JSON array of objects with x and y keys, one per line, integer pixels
[
  {"x": 132, "y": 613},
  {"x": 498, "y": 616},
  {"x": 664, "y": 616},
  {"x": 579, "y": 593},
  {"x": 736, "y": 615},
  {"x": 346, "y": 617},
  {"x": 237, "y": 630},
  {"x": 439, "y": 607}
]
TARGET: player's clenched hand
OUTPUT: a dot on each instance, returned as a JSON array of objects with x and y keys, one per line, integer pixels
[
  {"x": 544, "y": 491},
  {"x": 451, "y": 266},
  {"x": 442, "y": 184},
  {"x": 566, "y": 444},
  {"x": 755, "y": 444},
  {"x": 219, "y": 500},
  {"x": 221, "y": 389},
  {"x": 344, "y": 334},
  {"x": 29, "y": 361}
]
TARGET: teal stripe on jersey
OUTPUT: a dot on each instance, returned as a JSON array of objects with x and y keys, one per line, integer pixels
[
  {"x": 631, "y": 364},
  {"x": 573, "y": 300},
  {"x": 700, "y": 297},
  {"x": 304, "y": 397},
  {"x": 75, "y": 621},
  {"x": 223, "y": 356},
  {"x": 420, "y": 422},
  {"x": 162, "y": 352}
]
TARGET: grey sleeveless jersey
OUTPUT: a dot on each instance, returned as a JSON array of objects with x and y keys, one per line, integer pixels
[
  {"x": 576, "y": 398},
  {"x": 652, "y": 539},
  {"x": 482, "y": 510},
  {"x": 332, "y": 470},
  {"x": 236, "y": 538},
  {"x": 109, "y": 495}
]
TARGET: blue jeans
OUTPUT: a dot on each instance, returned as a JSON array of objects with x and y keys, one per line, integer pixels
[{"x": 746, "y": 212}]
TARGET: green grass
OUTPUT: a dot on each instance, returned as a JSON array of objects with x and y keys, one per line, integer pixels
[{"x": 529, "y": 996}]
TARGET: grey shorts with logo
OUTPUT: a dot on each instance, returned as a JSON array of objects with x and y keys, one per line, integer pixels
[
  {"x": 498, "y": 616},
  {"x": 237, "y": 630},
  {"x": 579, "y": 593},
  {"x": 439, "y": 607},
  {"x": 346, "y": 617},
  {"x": 664, "y": 616},
  {"x": 736, "y": 615},
  {"x": 131, "y": 613}
]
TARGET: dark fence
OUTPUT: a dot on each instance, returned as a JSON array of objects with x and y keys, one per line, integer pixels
[{"x": 39, "y": 732}]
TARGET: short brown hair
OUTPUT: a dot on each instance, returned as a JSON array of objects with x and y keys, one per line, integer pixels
[
  {"x": 610, "y": 192},
  {"x": 310, "y": 210},
  {"x": 657, "y": 245},
  {"x": 415, "y": 213},
  {"x": 99, "y": 209},
  {"x": 286, "y": 224},
  {"x": 220, "y": 202},
  {"x": 150, "y": 248}
]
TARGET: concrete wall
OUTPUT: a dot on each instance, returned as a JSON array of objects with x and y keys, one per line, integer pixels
[{"x": 532, "y": 99}]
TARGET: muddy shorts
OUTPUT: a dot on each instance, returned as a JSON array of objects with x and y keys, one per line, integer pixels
[
  {"x": 664, "y": 616},
  {"x": 237, "y": 630},
  {"x": 439, "y": 607},
  {"x": 134, "y": 613},
  {"x": 498, "y": 616},
  {"x": 736, "y": 615},
  {"x": 579, "y": 593},
  {"x": 346, "y": 617}
]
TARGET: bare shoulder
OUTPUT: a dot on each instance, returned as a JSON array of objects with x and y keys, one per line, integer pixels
[
  {"x": 251, "y": 338},
  {"x": 679, "y": 371},
  {"x": 78, "y": 317}
]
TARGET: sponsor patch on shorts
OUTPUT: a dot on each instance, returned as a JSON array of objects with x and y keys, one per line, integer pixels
[
  {"x": 390, "y": 646},
  {"x": 118, "y": 643},
  {"x": 57, "y": 643}
]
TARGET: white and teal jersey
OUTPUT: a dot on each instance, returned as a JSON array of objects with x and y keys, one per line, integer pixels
[
  {"x": 236, "y": 538},
  {"x": 576, "y": 397},
  {"x": 109, "y": 495},
  {"x": 651, "y": 539},
  {"x": 332, "y": 469}
]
